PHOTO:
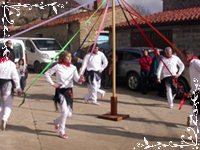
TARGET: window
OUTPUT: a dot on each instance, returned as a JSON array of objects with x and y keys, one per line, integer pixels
[
  {"x": 132, "y": 56},
  {"x": 17, "y": 47},
  {"x": 127, "y": 56},
  {"x": 18, "y": 50},
  {"x": 29, "y": 46},
  {"x": 46, "y": 45}
]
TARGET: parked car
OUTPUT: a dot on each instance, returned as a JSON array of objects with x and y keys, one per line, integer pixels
[
  {"x": 40, "y": 51},
  {"x": 128, "y": 68},
  {"x": 19, "y": 48}
]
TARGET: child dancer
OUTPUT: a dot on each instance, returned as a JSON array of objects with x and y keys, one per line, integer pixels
[{"x": 65, "y": 74}]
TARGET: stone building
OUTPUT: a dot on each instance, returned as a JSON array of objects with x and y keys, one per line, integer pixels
[{"x": 179, "y": 22}]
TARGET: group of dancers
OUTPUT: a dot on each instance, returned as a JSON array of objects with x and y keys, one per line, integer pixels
[
  {"x": 92, "y": 66},
  {"x": 66, "y": 73}
]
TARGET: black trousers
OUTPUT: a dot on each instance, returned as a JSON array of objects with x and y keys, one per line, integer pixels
[{"x": 145, "y": 80}]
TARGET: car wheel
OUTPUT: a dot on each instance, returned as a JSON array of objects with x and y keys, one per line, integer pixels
[
  {"x": 37, "y": 68},
  {"x": 133, "y": 81},
  {"x": 184, "y": 87}
]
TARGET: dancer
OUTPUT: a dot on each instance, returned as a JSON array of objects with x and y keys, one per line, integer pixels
[
  {"x": 65, "y": 74},
  {"x": 173, "y": 69},
  {"x": 194, "y": 72},
  {"x": 94, "y": 63},
  {"x": 8, "y": 76}
]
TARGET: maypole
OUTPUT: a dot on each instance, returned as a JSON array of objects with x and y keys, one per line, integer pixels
[
  {"x": 113, "y": 115},
  {"x": 114, "y": 96}
]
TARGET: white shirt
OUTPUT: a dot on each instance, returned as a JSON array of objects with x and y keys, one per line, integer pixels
[
  {"x": 95, "y": 62},
  {"x": 8, "y": 71},
  {"x": 194, "y": 72},
  {"x": 21, "y": 70},
  {"x": 174, "y": 64},
  {"x": 64, "y": 75}
]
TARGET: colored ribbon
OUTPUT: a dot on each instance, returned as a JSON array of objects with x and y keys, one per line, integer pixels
[
  {"x": 181, "y": 103},
  {"x": 101, "y": 26},
  {"x": 49, "y": 20}
]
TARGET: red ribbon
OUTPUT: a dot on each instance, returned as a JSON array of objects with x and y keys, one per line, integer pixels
[{"x": 181, "y": 103}]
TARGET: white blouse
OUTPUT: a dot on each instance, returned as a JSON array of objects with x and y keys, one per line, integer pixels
[
  {"x": 8, "y": 71},
  {"x": 95, "y": 62},
  {"x": 64, "y": 75},
  {"x": 174, "y": 64},
  {"x": 194, "y": 72}
]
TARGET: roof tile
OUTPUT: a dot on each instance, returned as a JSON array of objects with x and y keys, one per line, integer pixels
[{"x": 172, "y": 16}]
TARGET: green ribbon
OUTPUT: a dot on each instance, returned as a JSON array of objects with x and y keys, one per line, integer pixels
[{"x": 66, "y": 45}]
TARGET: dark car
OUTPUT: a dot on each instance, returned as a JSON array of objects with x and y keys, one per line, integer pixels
[{"x": 128, "y": 68}]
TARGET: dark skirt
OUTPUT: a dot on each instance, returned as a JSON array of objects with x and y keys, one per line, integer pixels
[
  {"x": 90, "y": 75},
  {"x": 68, "y": 95},
  {"x": 4, "y": 85}
]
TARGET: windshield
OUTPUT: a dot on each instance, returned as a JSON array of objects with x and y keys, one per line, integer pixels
[
  {"x": 17, "y": 47},
  {"x": 47, "y": 45}
]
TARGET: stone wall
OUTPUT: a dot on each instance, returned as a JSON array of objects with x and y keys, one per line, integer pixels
[
  {"x": 184, "y": 37},
  {"x": 119, "y": 18},
  {"x": 187, "y": 37},
  {"x": 62, "y": 33},
  {"x": 123, "y": 38},
  {"x": 128, "y": 38},
  {"x": 178, "y": 4}
]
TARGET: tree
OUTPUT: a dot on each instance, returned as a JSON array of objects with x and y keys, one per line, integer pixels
[{"x": 37, "y": 13}]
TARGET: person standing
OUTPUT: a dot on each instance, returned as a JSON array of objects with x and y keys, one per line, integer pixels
[
  {"x": 11, "y": 50},
  {"x": 65, "y": 74},
  {"x": 194, "y": 73},
  {"x": 145, "y": 66},
  {"x": 22, "y": 71},
  {"x": 155, "y": 63},
  {"x": 8, "y": 76},
  {"x": 171, "y": 68},
  {"x": 94, "y": 63}
]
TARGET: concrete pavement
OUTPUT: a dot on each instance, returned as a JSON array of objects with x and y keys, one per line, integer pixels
[{"x": 30, "y": 126}]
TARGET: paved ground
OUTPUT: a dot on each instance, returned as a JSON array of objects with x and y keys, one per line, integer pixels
[{"x": 30, "y": 126}]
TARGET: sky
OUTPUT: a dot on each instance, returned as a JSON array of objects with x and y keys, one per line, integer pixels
[{"x": 151, "y": 5}]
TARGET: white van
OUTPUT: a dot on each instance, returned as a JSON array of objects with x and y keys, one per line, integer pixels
[
  {"x": 18, "y": 46},
  {"x": 40, "y": 51}
]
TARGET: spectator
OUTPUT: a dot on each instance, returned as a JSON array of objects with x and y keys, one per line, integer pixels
[
  {"x": 12, "y": 52},
  {"x": 108, "y": 73},
  {"x": 22, "y": 71},
  {"x": 145, "y": 66},
  {"x": 154, "y": 67},
  {"x": 171, "y": 68}
]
